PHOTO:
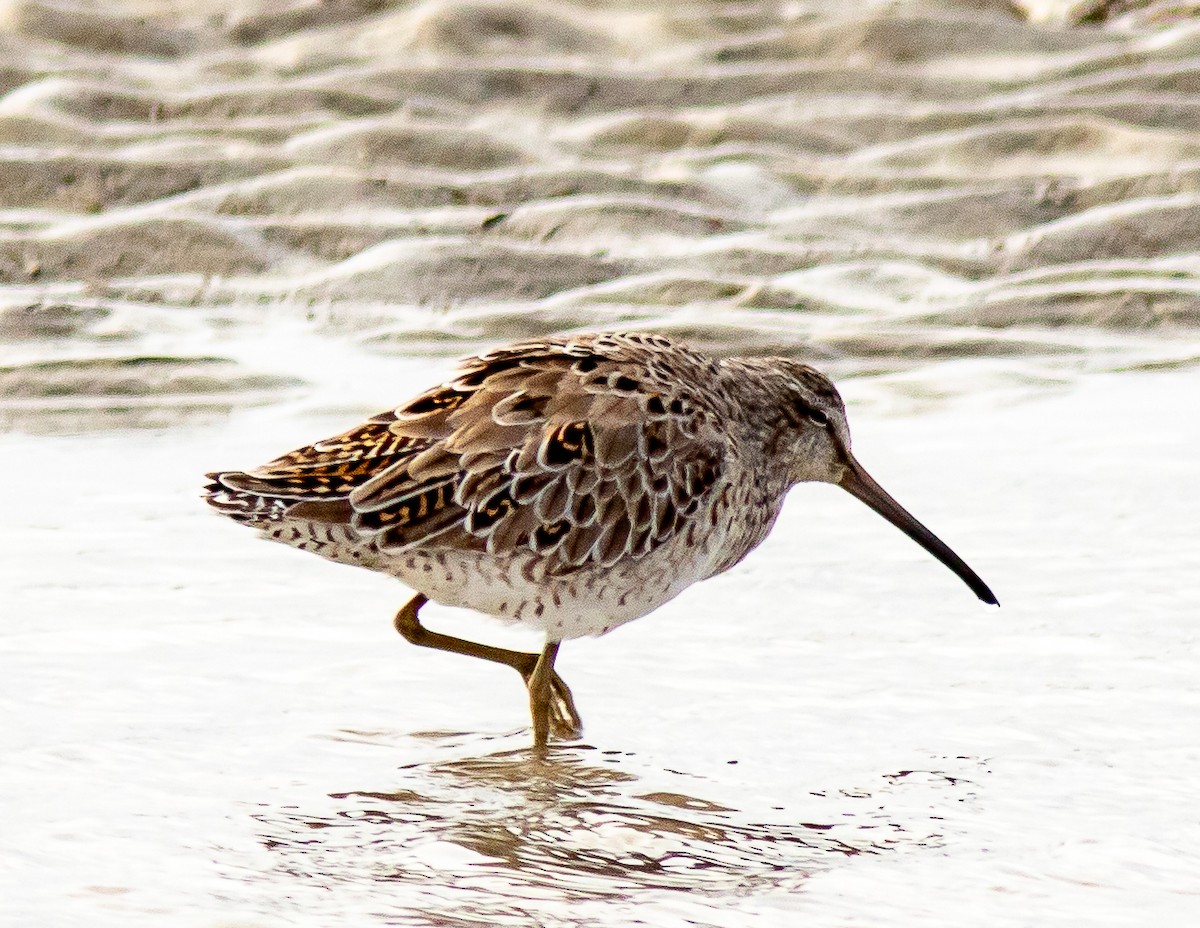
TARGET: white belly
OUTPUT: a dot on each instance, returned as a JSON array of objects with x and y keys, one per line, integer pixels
[{"x": 589, "y": 602}]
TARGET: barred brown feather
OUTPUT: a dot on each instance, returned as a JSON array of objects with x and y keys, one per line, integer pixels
[{"x": 550, "y": 447}]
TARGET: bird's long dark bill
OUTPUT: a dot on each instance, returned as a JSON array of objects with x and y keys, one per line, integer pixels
[{"x": 858, "y": 482}]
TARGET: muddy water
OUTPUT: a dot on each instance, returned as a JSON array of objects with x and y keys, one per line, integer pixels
[{"x": 227, "y": 229}]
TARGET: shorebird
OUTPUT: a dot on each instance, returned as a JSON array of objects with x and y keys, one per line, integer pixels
[{"x": 570, "y": 485}]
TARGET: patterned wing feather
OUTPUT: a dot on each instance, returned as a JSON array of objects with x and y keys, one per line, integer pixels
[
  {"x": 549, "y": 447},
  {"x": 580, "y": 451},
  {"x": 330, "y": 468}
]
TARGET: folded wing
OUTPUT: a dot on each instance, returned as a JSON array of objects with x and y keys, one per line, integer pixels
[{"x": 580, "y": 454}]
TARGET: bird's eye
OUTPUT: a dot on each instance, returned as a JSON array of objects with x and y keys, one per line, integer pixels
[{"x": 816, "y": 417}]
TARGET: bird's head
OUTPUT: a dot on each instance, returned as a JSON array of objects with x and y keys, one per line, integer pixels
[{"x": 813, "y": 437}]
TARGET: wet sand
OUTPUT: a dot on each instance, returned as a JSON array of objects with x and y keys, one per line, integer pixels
[
  {"x": 228, "y": 229},
  {"x": 876, "y": 189}
]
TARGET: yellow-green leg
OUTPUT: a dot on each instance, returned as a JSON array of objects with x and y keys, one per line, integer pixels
[
  {"x": 541, "y": 695},
  {"x": 550, "y": 701}
]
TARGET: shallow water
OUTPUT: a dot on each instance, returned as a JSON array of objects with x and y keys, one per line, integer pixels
[
  {"x": 227, "y": 229},
  {"x": 208, "y": 729}
]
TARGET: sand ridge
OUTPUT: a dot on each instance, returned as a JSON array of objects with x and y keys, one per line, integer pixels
[{"x": 873, "y": 187}]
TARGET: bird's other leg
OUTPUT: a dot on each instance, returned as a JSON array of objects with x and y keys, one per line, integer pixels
[
  {"x": 564, "y": 720},
  {"x": 540, "y": 696}
]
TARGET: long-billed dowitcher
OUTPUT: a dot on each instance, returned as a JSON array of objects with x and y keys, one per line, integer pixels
[{"x": 571, "y": 485}]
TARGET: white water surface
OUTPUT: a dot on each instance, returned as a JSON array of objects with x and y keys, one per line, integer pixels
[{"x": 204, "y": 729}]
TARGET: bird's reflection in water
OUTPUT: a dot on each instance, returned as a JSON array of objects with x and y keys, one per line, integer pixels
[{"x": 482, "y": 834}]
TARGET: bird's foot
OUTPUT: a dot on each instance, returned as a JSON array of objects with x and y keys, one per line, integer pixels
[{"x": 565, "y": 723}]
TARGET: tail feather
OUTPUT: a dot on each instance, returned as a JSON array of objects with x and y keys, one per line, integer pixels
[{"x": 241, "y": 506}]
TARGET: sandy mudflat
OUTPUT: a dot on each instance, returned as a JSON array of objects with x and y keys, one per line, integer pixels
[
  {"x": 230, "y": 228},
  {"x": 871, "y": 185}
]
